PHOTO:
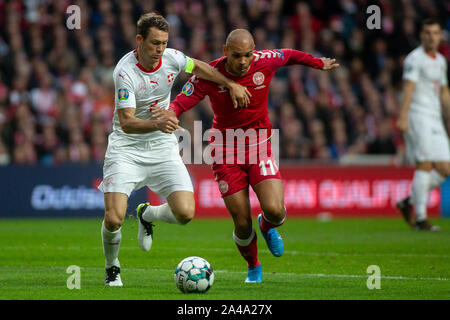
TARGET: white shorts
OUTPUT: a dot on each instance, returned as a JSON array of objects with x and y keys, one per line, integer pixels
[
  {"x": 163, "y": 175},
  {"x": 426, "y": 139}
]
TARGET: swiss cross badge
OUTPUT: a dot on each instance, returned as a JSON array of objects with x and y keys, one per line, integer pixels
[{"x": 170, "y": 78}]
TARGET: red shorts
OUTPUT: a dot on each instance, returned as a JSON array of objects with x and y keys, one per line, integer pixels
[{"x": 236, "y": 177}]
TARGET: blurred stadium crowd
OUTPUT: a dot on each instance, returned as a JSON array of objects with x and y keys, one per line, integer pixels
[{"x": 57, "y": 91}]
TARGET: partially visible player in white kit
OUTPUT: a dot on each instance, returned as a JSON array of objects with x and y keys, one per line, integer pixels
[
  {"x": 421, "y": 121},
  {"x": 143, "y": 151}
]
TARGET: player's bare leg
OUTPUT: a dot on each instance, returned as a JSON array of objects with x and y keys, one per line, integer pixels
[
  {"x": 238, "y": 205},
  {"x": 179, "y": 209},
  {"x": 182, "y": 205},
  {"x": 270, "y": 194},
  {"x": 115, "y": 211}
]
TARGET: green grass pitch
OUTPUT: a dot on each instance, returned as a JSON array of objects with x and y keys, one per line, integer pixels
[{"x": 322, "y": 260}]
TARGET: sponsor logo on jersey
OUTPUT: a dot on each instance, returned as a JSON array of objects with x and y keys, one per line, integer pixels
[
  {"x": 123, "y": 94},
  {"x": 258, "y": 78},
  {"x": 188, "y": 89}
]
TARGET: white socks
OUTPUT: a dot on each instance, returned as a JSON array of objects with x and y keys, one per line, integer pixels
[
  {"x": 111, "y": 244},
  {"x": 159, "y": 213},
  {"x": 420, "y": 190},
  {"x": 244, "y": 242},
  {"x": 423, "y": 183}
]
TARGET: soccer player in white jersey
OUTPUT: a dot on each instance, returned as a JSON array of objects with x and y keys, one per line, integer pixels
[
  {"x": 421, "y": 121},
  {"x": 142, "y": 150}
]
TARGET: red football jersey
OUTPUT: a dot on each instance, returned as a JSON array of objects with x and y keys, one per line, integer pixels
[{"x": 257, "y": 80}]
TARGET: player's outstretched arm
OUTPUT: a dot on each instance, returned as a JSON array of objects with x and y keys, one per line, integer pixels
[
  {"x": 130, "y": 124},
  {"x": 408, "y": 90},
  {"x": 239, "y": 94}
]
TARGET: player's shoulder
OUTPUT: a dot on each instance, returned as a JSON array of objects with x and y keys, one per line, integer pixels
[
  {"x": 415, "y": 56},
  {"x": 170, "y": 52},
  {"x": 171, "y": 55},
  {"x": 217, "y": 62},
  {"x": 441, "y": 58},
  {"x": 124, "y": 68}
]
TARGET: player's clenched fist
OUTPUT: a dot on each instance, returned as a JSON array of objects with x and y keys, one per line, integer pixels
[
  {"x": 168, "y": 125},
  {"x": 167, "y": 120}
]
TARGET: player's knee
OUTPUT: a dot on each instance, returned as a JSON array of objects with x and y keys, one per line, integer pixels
[
  {"x": 274, "y": 211},
  {"x": 112, "y": 220},
  {"x": 243, "y": 226},
  {"x": 185, "y": 212},
  {"x": 446, "y": 172}
]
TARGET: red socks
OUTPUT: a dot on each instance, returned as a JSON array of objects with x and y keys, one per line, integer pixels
[{"x": 248, "y": 249}]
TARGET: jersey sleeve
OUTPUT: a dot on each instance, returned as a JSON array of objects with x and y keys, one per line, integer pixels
[
  {"x": 182, "y": 61},
  {"x": 124, "y": 91},
  {"x": 192, "y": 93},
  {"x": 411, "y": 69},
  {"x": 288, "y": 57}
]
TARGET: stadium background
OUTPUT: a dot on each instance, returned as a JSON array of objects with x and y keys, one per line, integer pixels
[{"x": 339, "y": 149}]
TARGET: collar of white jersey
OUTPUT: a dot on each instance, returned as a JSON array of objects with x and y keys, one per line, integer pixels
[
  {"x": 144, "y": 69},
  {"x": 429, "y": 55}
]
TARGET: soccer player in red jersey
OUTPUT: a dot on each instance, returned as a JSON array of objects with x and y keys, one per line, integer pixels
[{"x": 254, "y": 70}]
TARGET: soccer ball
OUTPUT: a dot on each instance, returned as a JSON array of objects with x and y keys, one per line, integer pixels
[{"x": 194, "y": 275}]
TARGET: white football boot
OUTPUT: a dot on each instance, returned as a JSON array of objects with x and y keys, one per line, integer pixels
[{"x": 145, "y": 230}]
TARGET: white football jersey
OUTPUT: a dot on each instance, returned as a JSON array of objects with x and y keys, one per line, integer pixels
[
  {"x": 429, "y": 74},
  {"x": 139, "y": 88}
]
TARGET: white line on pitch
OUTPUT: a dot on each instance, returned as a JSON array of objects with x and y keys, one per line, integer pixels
[
  {"x": 288, "y": 252},
  {"x": 304, "y": 275}
]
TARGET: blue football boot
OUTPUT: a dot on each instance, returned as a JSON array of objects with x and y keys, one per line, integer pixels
[
  {"x": 273, "y": 239},
  {"x": 254, "y": 274}
]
